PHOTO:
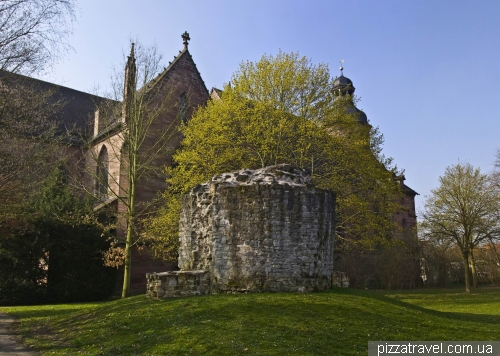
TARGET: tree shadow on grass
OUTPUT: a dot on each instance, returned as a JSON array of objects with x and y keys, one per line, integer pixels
[
  {"x": 463, "y": 299},
  {"x": 266, "y": 323}
]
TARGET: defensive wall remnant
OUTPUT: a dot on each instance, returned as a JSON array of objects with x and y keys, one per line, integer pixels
[{"x": 259, "y": 230}]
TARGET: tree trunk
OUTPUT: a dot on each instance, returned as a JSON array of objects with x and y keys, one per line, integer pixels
[
  {"x": 128, "y": 261},
  {"x": 467, "y": 274},
  {"x": 473, "y": 270},
  {"x": 130, "y": 229}
]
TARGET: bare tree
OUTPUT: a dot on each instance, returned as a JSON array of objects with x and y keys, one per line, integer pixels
[
  {"x": 33, "y": 33},
  {"x": 131, "y": 144},
  {"x": 463, "y": 209},
  {"x": 32, "y": 37},
  {"x": 29, "y": 143}
]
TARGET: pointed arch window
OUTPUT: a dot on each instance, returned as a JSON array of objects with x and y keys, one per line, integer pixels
[
  {"x": 102, "y": 174},
  {"x": 183, "y": 104}
]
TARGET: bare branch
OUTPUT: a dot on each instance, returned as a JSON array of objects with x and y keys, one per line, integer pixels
[{"x": 33, "y": 33}]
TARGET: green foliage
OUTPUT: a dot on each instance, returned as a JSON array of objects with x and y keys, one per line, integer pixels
[
  {"x": 55, "y": 252},
  {"x": 281, "y": 110},
  {"x": 463, "y": 208},
  {"x": 287, "y": 83},
  {"x": 462, "y": 211},
  {"x": 339, "y": 322}
]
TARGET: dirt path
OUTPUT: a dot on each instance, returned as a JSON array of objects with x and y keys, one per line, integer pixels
[{"x": 8, "y": 344}]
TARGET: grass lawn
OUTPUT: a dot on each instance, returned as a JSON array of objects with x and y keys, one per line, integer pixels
[{"x": 337, "y": 322}]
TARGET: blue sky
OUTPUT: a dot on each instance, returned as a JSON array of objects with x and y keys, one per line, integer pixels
[{"x": 427, "y": 72}]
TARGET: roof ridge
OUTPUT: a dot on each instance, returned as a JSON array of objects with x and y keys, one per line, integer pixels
[
  {"x": 55, "y": 85},
  {"x": 156, "y": 80}
]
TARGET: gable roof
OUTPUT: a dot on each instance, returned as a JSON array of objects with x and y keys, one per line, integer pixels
[
  {"x": 75, "y": 113},
  {"x": 184, "y": 54},
  {"x": 216, "y": 94},
  {"x": 408, "y": 190}
]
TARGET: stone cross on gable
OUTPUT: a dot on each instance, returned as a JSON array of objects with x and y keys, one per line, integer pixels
[{"x": 185, "y": 38}]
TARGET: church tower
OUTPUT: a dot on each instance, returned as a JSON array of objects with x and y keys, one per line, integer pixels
[{"x": 343, "y": 89}]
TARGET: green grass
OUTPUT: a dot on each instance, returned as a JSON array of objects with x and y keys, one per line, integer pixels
[{"x": 338, "y": 322}]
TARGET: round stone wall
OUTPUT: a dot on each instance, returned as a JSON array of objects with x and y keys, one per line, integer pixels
[{"x": 264, "y": 230}]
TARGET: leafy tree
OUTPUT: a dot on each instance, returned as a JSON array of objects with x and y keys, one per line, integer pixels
[
  {"x": 282, "y": 110},
  {"x": 55, "y": 254},
  {"x": 463, "y": 210},
  {"x": 287, "y": 83},
  {"x": 437, "y": 256}
]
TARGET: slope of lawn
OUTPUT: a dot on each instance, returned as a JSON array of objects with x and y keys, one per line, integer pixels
[{"x": 337, "y": 322}]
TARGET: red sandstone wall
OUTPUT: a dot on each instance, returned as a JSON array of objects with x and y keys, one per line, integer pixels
[
  {"x": 407, "y": 218},
  {"x": 182, "y": 77},
  {"x": 143, "y": 263}
]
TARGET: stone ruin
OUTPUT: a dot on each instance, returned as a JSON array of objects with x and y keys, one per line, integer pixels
[
  {"x": 259, "y": 230},
  {"x": 340, "y": 279}
]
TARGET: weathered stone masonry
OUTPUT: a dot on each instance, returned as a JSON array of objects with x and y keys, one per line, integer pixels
[
  {"x": 178, "y": 284},
  {"x": 252, "y": 231}
]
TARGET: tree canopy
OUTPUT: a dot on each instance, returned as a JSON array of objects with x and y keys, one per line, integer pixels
[
  {"x": 32, "y": 37},
  {"x": 287, "y": 83},
  {"x": 464, "y": 211},
  {"x": 29, "y": 145},
  {"x": 54, "y": 250},
  {"x": 33, "y": 33},
  {"x": 281, "y": 110}
]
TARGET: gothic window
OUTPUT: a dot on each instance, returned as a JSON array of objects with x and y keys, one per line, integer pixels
[
  {"x": 183, "y": 107},
  {"x": 102, "y": 173}
]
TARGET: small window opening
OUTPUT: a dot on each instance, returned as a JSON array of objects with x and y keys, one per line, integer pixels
[
  {"x": 183, "y": 107},
  {"x": 102, "y": 174}
]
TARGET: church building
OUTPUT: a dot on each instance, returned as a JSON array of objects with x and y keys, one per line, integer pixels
[
  {"x": 406, "y": 219},
  {"x": 99, "y": 160}
]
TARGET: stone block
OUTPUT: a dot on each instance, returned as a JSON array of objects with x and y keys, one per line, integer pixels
[{"x": 166, "y": 285}]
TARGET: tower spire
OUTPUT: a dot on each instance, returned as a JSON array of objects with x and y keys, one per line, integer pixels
[
  {"x": 132, "y": 52},
  {"x": 129, "y": 86},
  {"x": 341, "y": 67}
]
